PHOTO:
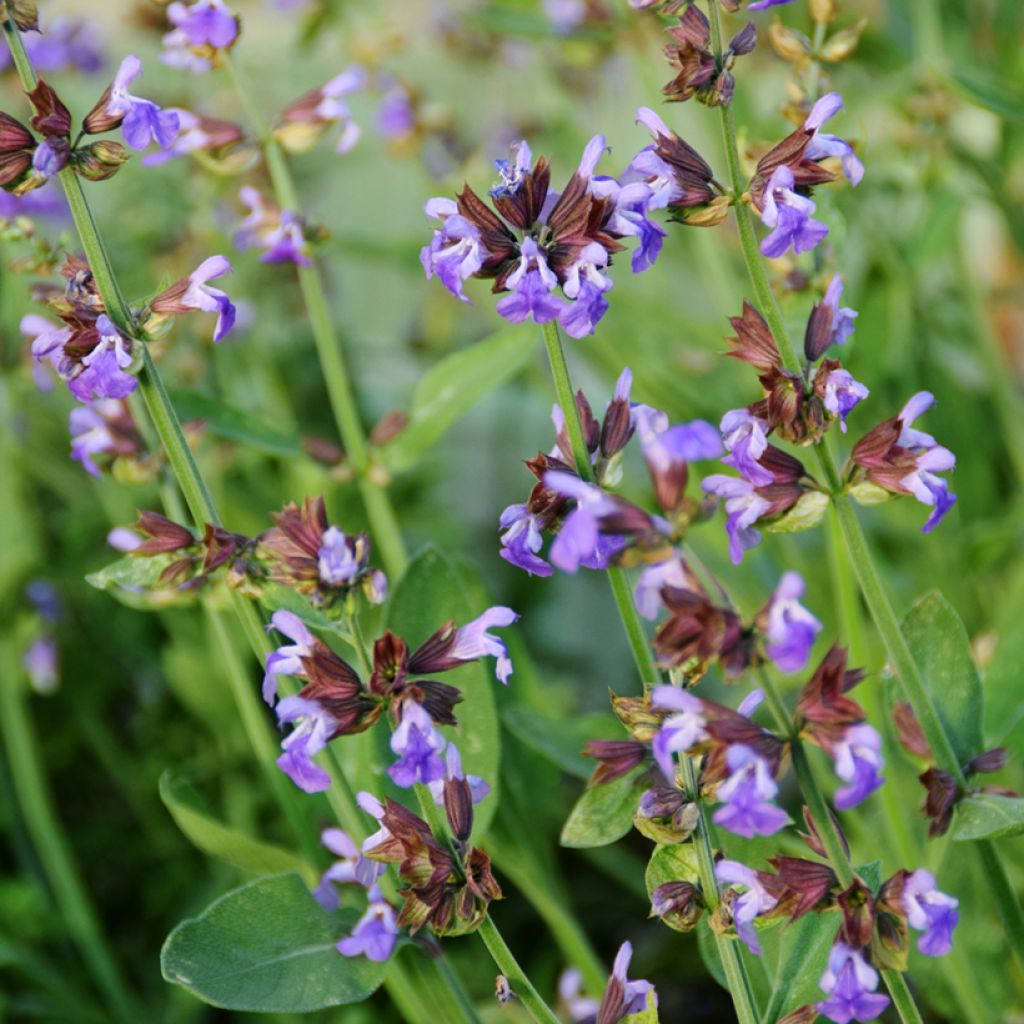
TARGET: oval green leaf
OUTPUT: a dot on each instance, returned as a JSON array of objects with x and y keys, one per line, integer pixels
[
  {"x": 604, "y": 814},
  {"x": 988, "y": 816},
  {"x": 268, "y": 947}
]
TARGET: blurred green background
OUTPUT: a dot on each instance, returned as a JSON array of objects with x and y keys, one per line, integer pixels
[{"x": 930, "y": 247}]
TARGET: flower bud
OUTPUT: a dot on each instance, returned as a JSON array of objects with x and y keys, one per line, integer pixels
[
  {"x": 990, "y": 761},
  {"x": 52, "y": 118},
  {"x": 858, "y": 908},
  {"x": 843, "y": 43},
  {"x": 23, "y": 13},
  {"x": 824, "y": 10},
  {"x": 787, "y": 42},
  {"x": 99, "y": 161},
  {"x": 678, "y": 904},
  {"x": 805, "y": 514},
  {"x": 708, "y": 216}
]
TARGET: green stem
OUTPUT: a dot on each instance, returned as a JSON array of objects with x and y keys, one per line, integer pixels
[
  {"x": 379, "y": 510},
  {"x": 517, "y": 979},
  {"x": 71, "y": 895},
  {"x": 616, "y": 577},
  {"x": 735, "y": 972}
]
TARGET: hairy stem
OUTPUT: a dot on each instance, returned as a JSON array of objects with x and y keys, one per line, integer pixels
[{"x": 379, "y": 509}]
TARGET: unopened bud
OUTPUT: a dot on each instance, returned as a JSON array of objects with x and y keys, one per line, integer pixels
[
  {"x": 824, "y": 10},
  {"x": 678, "y": 904},
  {"x": 787, "y": 42},
  {"x": 99, "y": 160},
  {"x": 708, "y": 216},
  {"x": 808, "y": 511},
  {"x": 23, "y": 13},
  {"x": 843, "y": 43}
]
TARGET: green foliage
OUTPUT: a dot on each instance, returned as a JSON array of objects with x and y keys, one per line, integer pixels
[
  {"x": 135, "y": 581},
  {"x": 988, "y": 816},
  {"x": 603, "y": 814},
  {"x": 268, "y": 947}
]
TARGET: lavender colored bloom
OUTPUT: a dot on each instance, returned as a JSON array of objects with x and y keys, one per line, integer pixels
[
  {"x": 375, "y": 933},
  {"x": 472, "y": 641},
  {"x": 337, "y": 563},
  {"x": 756, "y": 900},
  {"x": 418, "y": 746},
  {"x": 824, "y": 145},
  {"x": 681, "y": 731},
  {"x": 746, "y": 796},
  {"x": 634, "y": 993},
  {"x": 511, "y": 171},
  {"x": 286, "y": 660},
  {"x": 842, "y": 316},
  {"x": 310, "y": 735},
  {"x": 90, "y": 434},
  {"x": 667, "y": 448},
  {"x": 104, "y": 373},
  {"x": 586, "y": 285},
  {"x": 762, "y": 5},
  {"x": 842, "y": 393},
  {"x": 478, "y": 787},
  {"x": 204, "y": 23},
  {"x": 931, "y": 912},
  {"x": 396, "y": 115},
  {"x": 371, "y": 805},
  {"x": 932, "y": 458},
  {"x": 41, "y": 661},
  {"x": 647, "y": 594},
  {"x": 454, "y": 252},
  {"x": 201, "y": 296},
  {"x": 45, "y": 201},
  {"x": 746, "y": 437},
  {"x": 858, "y": 760},
  {"x": 790, "y": 628},
  {"x": 578, "y": 540},
  {"x": 522, "y": 540},
  {"x": 743, "y": 506},
  {"x": 287, "y": 244},
  {"x": 581, "y": 1008},
  {"x": 531, "y": 283},
  {"x": 144, "y": 121},
  {"x": 67, "y": 44},
  {"x": 351, "y": 868},
  {"x": 122, "y": 539},
  {"x": 48, "y": 159},
  {"x": 789, "y": 215},
  {"x": 275, "y": 231},
  {"x": 850, "y": 982},
  {"x": 632, "y": 202}
]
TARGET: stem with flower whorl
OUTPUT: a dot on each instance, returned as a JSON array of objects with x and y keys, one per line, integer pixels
[
  {"x": 739, "y": 983},
  {"x": 69, "y": 892},
  {"x": 875, "y": 595},
  {"x": 379, "y": 510}
]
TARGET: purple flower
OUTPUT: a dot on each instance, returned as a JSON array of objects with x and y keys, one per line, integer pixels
[
  {"x": 351, "y": 868},
  {"x": 418, "y": 746},
  {"x": 286, "y": 660},
  {"x": 842, "y": 393},
  {"x": 581, "y": 1008},
  {"x": 746, "y": 796},
  {"x": 743, "y": 507},
  {"x": 375, "y": 933},
  {"x": 746, "y": 437},
  {"x": 623, "y": 997},
  {"x": 842, "y": 316},
  {"x": 586, "y": 285},
  {"x": 931, "y": 912},
  {"x": 204, "y": 23},
  {"x": 91, "y": 434},
  {"x": 472, "y": 641},
  {"x": 67, "y": 44},
  {"x": 578, "y": 541},
  {"x": 531, "y": 283},
  {"x": 823, "y": 145},
  {"x": 762, "y": 5},
  {"x": 511, "y": 171},
  {"x": 932, "y": 458},
  {"x": 337, "y": 563},
  {"x": 396, "y": 115},
  {"x": 478, "y": 787},
  {"x": 144, "y": 121},
  {"x": 48, "y": 159},
  {"x": 371, "y": 805},
  {"x": 668, "y": 448},
  {"x": 41, "y": 661},
  {"x": 790, "y": 628},
  {"x": 850, "y": 982},
  {"x": 681, "y": 731},
  {"x": 858, "y": 760},
  {"x": 454, "y": 252},
  {"x": 104, "y": 373},
  {"x": 522, "y": 539},
  {"x": 647, "y": 594},
  {"x": 332, "y": 108},
  {"x": 201, "y": 296},
  {"x": 272, "y": 229},
  {"x": 45, "y": 201},
  {"x": 746, "y": 907},
  {"x": 311, "y": 733},
  {"x": 789, "y": 215}
]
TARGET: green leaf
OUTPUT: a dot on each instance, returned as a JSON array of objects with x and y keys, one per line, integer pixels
[
  {"x": 429, "y": 594},
  {"x": 998, "y": 95},
  {"x": 871, "y": 874},
  {"x": 677, "y": 863},
  {"x": 218, "y": 840},
  {"x": 268, "y": 947},
  {"x": 648, "y": 1015},
  {"x": 604, "y": 814},
  {"x": 277, "y": 597},
  {"x": 939, "y": 643},
  {"x": 988, "y": 816},
  {"x": 560, "y": 740},
  {"x": 797, "y": 955},
  {"x": 135, "y": 582},
  {"x": 234, "y": 424},
  {"x": 453, "y": 386},
  {"x": 1004, "y": 710}
]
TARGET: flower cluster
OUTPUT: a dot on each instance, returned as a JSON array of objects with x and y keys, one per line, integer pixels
[
  {"x": 540, "y": 241},
  {"x": 277, "y": 232},
  {"x": 202, "y": 32}
]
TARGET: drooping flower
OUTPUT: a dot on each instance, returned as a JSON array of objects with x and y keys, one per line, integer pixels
[
  {"x": 202, "y": 32},
  {"x": 305, "y": 121},
  {"x": 790, "y": 629},
  {"x": 277, "y": 232},
  {"x": 313, "y": 728},
  {"x": 823, "y": 145},
  {"x": 683, "y": 729},
  {"x": 842, "y": 393},
  {"x": 903, "y": 460},
  {"x": 473, "y": 641},
  {"x": 748, "y": 905},
  {"x": 580, "y": 541},
  {"x": 747, "y": 796},
  {"x": 351, "y": 868},
  {"x": 418, "y": 746},
  {"x": 141, "y": 121},
  {"x": 788, "y": 214},
  {"x": 623, "y": 997},
  {"x": 850, "y": 983},
  {"x": 668, "y": 451},
  {"x": 454, "y": 252},
  {"x": 523, "y": 538},
  {"x": 842, "y": 316},
  {"x": 858, "y": 761},
  {"x": 478, "y": 787},
  {"x": 931, "y": 912},
  {"x": 196, "y": 134},
  {"x": 531, "y": 283},
  {"x": 103, "y": 370},
  {"x": 105, "y": 429},
  {"x": 745, "y": 437},
  {"x": 761, "y": 5},
  {"x": 375, "y": 933},
  {"x": 653, "y": 580},
  {"x": 286, "y": 660},
  {"x": 195, "y": 293}
]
